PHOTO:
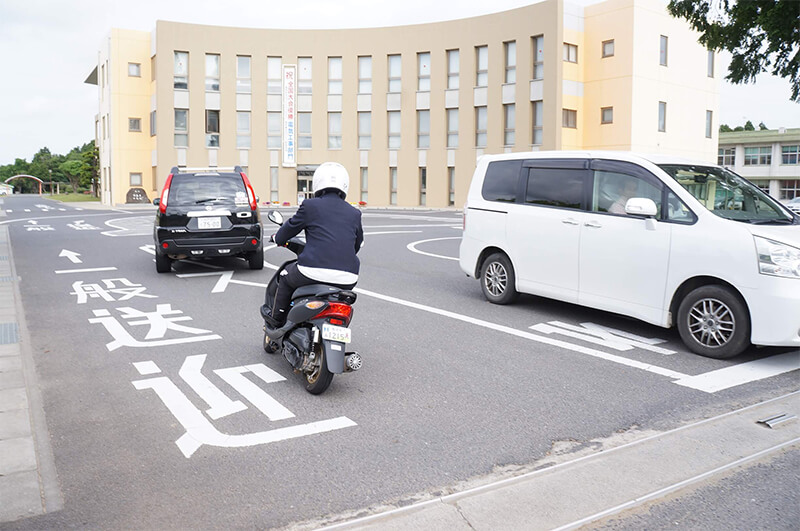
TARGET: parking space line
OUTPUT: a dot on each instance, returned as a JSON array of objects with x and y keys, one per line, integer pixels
[{"x": 714, "y": 381}]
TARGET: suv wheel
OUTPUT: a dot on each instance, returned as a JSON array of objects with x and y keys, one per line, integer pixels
[
  {"x": 713, "y": 322},
  {"x": 497, "y": 279},
  {"x": 163, "y": 263},
  {"x": 256, "y": 259}
]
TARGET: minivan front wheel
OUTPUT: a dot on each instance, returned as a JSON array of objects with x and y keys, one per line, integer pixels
[
  {"x": 714, "y": 322},
  {"x": 497, "y": 279}
]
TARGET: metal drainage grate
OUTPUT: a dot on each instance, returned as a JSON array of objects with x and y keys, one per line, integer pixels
[
  {"x": 774, "y": 420},
  {"x": 9, "y": 333}
]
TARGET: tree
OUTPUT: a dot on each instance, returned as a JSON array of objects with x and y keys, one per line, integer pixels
[
  {"x": 725, "y": 128},
  {"x": 75, "y": 170},
  {"x": 762, "y": 126},
  {"x": 748, "y": 126},
  {"x": 90, "y": 156},
  {"x": 762, "y": 35}
]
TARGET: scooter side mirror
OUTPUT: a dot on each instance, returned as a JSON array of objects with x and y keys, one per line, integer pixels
[{"x": 275, "y": 217}]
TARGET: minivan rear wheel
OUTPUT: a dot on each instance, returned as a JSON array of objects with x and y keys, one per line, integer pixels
[
  {"x": 497, "y": 279},
  {"x": 713, "y": 321}
]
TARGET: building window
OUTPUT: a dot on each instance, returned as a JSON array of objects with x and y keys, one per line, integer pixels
[
  {"x": 662, "y": 116},
  {"x": 481, "y": 66},
  {"x": 509, "y": 127},
  {"x": 153, "y": 70},
  {"x": 212, "y": 72},
  {"x": 424, "y": 72},
  {"x": 364, "y": 185},
  {"x": 537, "y": 120},
  {"x": 662, "y": 54},
  {"x": 711, "y": 63},
  {"x": 423, "y": 129},
  {"x": 242, "y": 130},
  {"x": 102, "y": 77},
  {"x": 181, "y": 127},
  {"x": 709, "y": 123},
  {"x": 152, "y": 123},
  {"x": 243, "y": 74},
  {"x": 481, "y": 125},
  {"x": 607, "y": 115},
  {"x": 758, "y": 156},
  {"x": 334, "y": 75},
  {"x": 180, "y": 71},
  {"x": 273, "y": 183},
  {"x": 394, "y": 129},
  {"x": 365, "y": 130},
  {"x": 105, "y": 130},
  {"x": 365, "y": 75},
  {"x": 569, "y": 118},
  {"x": 392, "y": 186},
  {"x": 334, "y": 130},
  {"x": 790, "y": 189},
  {"x": 538, "y": 57},
  {"x": 570, "y": 53},
  {"x": 395, "y": 71},
  {"x": 304, "y": 130},
  {"x": 452, "y": 69},
  {"x": 510, "y": 49},
  {"x": 790, "y": 154},
  {"x": 274, "y": 75},
  {"x": 135, "y": 179},
  {"x": 303, "y": 75},
  {"x": 135, "y": 125},
  {"x": 134, "y": 70},
  {"x": 608, "y": 48},
  {"x": 726, "y": 157},
  {"x": 451, "y": 186},
  {"x": 423, "y": 186},
  {"x": 212, "y": 128},
  {"x": 452, "y": 128},
  {"x": 274, "y": 130}
]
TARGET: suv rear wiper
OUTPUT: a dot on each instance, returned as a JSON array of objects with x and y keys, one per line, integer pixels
[{"x": 207, "y": 199}]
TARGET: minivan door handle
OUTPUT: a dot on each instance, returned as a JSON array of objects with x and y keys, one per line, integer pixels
[
  {"x": 570, "y": 221},
  {"x": 593, "y": 225}
]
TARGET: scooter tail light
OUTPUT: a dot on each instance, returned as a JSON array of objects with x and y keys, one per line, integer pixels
[
  {"x": 337, "y": 310},
  {"x": 162, "y": 204}
]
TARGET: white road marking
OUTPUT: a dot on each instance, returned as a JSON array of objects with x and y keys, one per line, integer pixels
[
  {"x": 146, "y": 368},
  {"x": 413, "y": 247},
  {"x": 270, "y": 407},
  {"x": 714, "y": 381},
  {"x": 89, "y": 270},
  {"x": 601, "y": 335},
  {"x": 392, "y": 232},
  {"x": 220, "y": 404},
  {"x": 72, "y": 256}
]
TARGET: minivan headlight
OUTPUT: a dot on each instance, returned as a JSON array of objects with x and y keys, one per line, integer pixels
[{"x": 777, "y": 259}]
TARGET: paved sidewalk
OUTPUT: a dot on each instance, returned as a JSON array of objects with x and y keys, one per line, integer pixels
[
  {"x": 578, "y": 492},
  {"x": 28, "y": 482}
]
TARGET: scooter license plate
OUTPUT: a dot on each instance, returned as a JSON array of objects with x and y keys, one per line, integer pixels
[{"x": 335, "y": 333}]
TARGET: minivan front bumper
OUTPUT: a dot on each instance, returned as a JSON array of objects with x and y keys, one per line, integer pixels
[{"x": 774, "y": 311}]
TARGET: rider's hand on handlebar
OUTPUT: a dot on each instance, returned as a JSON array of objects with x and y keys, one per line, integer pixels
[{"x": 271, "y": 238}]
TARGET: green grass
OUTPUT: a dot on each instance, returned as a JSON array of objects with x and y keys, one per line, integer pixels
[{"x": 73, "y": 198}]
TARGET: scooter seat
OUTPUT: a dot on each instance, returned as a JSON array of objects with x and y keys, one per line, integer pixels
[{"x": 314, "y": 290}]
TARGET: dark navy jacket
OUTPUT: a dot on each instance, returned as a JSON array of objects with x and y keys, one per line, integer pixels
[{"x": 333, "y": 233}]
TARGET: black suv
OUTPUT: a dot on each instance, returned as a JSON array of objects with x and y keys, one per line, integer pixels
[{"x": 207, "y": 214}]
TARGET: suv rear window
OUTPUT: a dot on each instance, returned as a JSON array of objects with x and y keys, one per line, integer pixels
[
  {"x": 501, "y": 181},
  {"x": 207, "y": 189}
]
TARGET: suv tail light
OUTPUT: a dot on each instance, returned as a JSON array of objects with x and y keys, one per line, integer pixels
[
  {"x": 337, "y": 310},
  {"x": 251, "y": 195},
  {"x": 162, "y": 205}
]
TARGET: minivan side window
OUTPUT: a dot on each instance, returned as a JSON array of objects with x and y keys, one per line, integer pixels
[
  {"x": 677, "y": 211},
  {"x": 612, "y": 190},
  {"x": 501, "y": 181},
  {"x": 556, "y": 187}
]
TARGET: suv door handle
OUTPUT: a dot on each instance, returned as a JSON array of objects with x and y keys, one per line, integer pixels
[
  {"x": 570, "y": 221},
  {"x": 593, "y": 225}
]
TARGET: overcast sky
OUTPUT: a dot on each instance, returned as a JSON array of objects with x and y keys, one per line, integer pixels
[{"x": 48, "y": 48}]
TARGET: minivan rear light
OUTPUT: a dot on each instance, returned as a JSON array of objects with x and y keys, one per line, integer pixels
[
  {"x": 251, "y": 195},
  {"x": 162, "y": 205}
]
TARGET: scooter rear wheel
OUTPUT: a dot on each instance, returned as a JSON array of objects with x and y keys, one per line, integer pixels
[
  {"x": 270, "y": 346},
  {"x": 320, "y": 379}
]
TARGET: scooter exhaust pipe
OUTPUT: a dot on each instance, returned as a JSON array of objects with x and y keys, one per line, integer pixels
[{"x": 352, "y": 361}]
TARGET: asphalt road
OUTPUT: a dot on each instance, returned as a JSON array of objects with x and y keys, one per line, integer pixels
[{"x": 163, "y": 411}]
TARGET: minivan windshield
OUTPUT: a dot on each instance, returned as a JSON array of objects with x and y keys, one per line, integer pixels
[{"x": 728, "y": 195}]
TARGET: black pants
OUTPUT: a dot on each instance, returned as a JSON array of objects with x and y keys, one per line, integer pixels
[{"x": 289, "y": 282}]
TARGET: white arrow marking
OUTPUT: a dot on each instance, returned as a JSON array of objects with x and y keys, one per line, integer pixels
[{"x": 72, "y": 255}]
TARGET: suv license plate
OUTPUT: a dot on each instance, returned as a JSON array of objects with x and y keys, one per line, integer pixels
[
  {"x": 335, "y": 333},
  {"x": 209, "y": 223}
]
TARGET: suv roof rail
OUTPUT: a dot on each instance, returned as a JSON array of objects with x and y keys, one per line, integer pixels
[{"x": 184, "y": 169}]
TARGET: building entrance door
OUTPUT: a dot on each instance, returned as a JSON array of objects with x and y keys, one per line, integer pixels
[{"x": 305, "y": 174}]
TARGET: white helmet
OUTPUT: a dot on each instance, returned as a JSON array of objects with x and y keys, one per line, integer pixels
[{"x": 331, "y": 175}]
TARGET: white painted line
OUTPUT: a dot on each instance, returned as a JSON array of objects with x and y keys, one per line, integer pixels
[
  {"x": 714, "y": 381},
  {"x": 393, "y": 232},
  {"x": 219, "y": 403},
  {"x": 413, "y": 247},
  {"x": 146, "y": 368},
  {"x": 602, "y": 335},
  {"x": 647, "y": 367},
  {"x": 270, "y": 407},
  {"x": 89, "y": 270}
]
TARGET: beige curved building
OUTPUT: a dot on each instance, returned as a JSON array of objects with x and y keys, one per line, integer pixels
[{"x": 406, "y": 109}]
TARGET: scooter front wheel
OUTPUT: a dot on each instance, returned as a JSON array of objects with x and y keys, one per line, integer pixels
[{"x": 320, "y": 378}]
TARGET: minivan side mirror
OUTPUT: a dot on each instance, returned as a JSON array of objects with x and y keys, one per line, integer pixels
[
  {"x": 641, "y": 206},
  {"x": 157, "y": 201}
]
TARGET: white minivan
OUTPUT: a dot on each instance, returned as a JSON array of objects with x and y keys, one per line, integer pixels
[{"x": 668, "y": 241}]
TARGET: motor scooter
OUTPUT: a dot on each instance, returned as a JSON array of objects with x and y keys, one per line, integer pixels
[{"x": 315, "y": 335}]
